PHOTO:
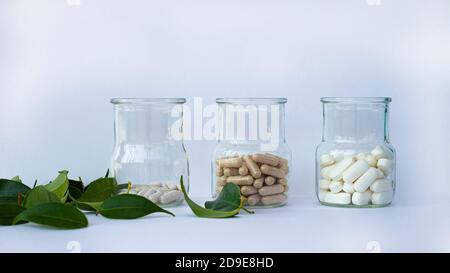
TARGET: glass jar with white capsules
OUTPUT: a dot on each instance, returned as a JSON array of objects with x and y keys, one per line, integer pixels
[
  {"x": 149, "y": 150},
  {"x": 355, "y": 163},
  {"x": 251, "y": 151}
]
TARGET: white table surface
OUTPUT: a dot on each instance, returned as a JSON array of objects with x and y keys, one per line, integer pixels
[{"x": 301, "y": 226}]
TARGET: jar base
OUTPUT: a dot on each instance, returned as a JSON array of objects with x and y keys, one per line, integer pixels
[
  {"x": 173, "y": 204},
  {"x": 266, "y": 207},
  {"x": 354, "y": 206}
]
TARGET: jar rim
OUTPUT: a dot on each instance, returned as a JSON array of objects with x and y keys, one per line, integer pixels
[
  {"x": 356, "y": 100},
  {"x": 251, "y": 100},
  {"x": 148, "y": 100}
]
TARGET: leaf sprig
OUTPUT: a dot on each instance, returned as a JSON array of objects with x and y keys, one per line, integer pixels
[
  {"x": 228, "y": 204},
  {"x": 60, "y": 202}
]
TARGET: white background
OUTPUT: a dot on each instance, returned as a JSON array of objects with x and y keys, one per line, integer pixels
[{"x": 61, "y": 61}]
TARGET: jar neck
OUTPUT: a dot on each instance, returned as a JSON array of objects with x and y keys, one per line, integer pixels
[
  {"x": 146, "y": 124},
  {"x": 262, "y": 124},
  {"x": 355, "y": 122}
]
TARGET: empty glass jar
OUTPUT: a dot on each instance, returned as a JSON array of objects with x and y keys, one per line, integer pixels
[
  {"x": 149, "y": 150},
  {"x": 355, "y": 163},
  {"x": 252, "y": 151}
]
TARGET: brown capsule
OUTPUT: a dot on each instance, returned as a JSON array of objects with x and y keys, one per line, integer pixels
[
  {"x": 241, "y": 180},
  {"x": 219, "y": 171},
  {"x": 221, "y": 181},
  {"x": 254, "y": 199},
  {"x": 243, "y": 170},
  {"x": 273, "y": 199},
  {"x": 286, "y": 188},
  {"x": 266, "y": 159},
  {"x": 230, "y": 171},
  {"x": 248, "y": 190},
  {"x": 235, "y": 162},
  {"x": 282, "y": 181},
  {"x": 272, "y": 171},
  {"x": 285, "y": 168},
  {"x": 259, "y": 183},
  {"x": 271, "y": 190},
  {"x": 252, "y": 166},
  {"x": 270, "y": 180}
]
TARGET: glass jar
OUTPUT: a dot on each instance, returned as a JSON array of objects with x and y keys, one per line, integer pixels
[
  {"x": 355, "y": 163},
  {"x": 251, "y": 151},
  {"x": 149, "y": 150}
]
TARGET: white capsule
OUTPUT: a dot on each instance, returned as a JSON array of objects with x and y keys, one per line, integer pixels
[
  {"x": 155, "y": 196},
  {"x": 325, "y": 172},
  {"x": 385, "y": 165},
  {"x": 338, "y": 155},
  {"x": 326, "y": 160},
  {"x": 144, "y": 190},
  {"x": 338, "y": 198},
  {"x": 172, "y": 186},
  {"x": 364, "y": 182},
  {"x": 371, "y": 160},
  {"x": 355, "y": 171},
  {"x": 170, "y": 196},
  {"x": 324, "y": 184},
  {"x": 382, "y": 198},
  {"x": 132, "y": 191},
  {"x": 380, "y": 174},
  {"x": 348, "y": 188},
  {"x": 381, "y": 185},
  {"x": 149, "y": 192},
  {"x": 336, "y": 186},
  {"x": 322, "y": 195},
  {"x": 340, "y": 167},
  {"x": 381, "y": 152},
  {"x": 361, "y": 198}
]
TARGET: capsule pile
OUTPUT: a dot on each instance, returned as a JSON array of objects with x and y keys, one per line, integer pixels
[
  {"x": 262, "y": 178},
  {"x": 362, "y": 179},
  {"x": 158, "y": 193}
]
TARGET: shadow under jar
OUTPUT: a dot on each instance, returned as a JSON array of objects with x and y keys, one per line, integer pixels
[
  {"x": 149, "y": 150},
  {"x": 355, "y": 163},
  {"x": 252, "y": 151}
]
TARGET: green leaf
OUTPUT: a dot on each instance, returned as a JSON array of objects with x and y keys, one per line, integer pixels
[
  {"x": 229, "y": 199},
  {"x": 10, "y": 188},
  {"x": 87, "y": 206},
  {"x": 9, "y": 200},
  {"x": 9, "y": 211},
  {"x": 122, "y": 186},
  {"x": 17, "y": 179},
  {"x": 55, "y": 215},
  {"x": 97, "y": 192},
  {"x": 205, "y": 212},
  {"x": 78, "y": 184},
  {"x": 39, "y": 195},
  {"x": 74, "y": 193},
  {"x": 60, "y": 186},
  {"x": 129, "y": 206}
]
